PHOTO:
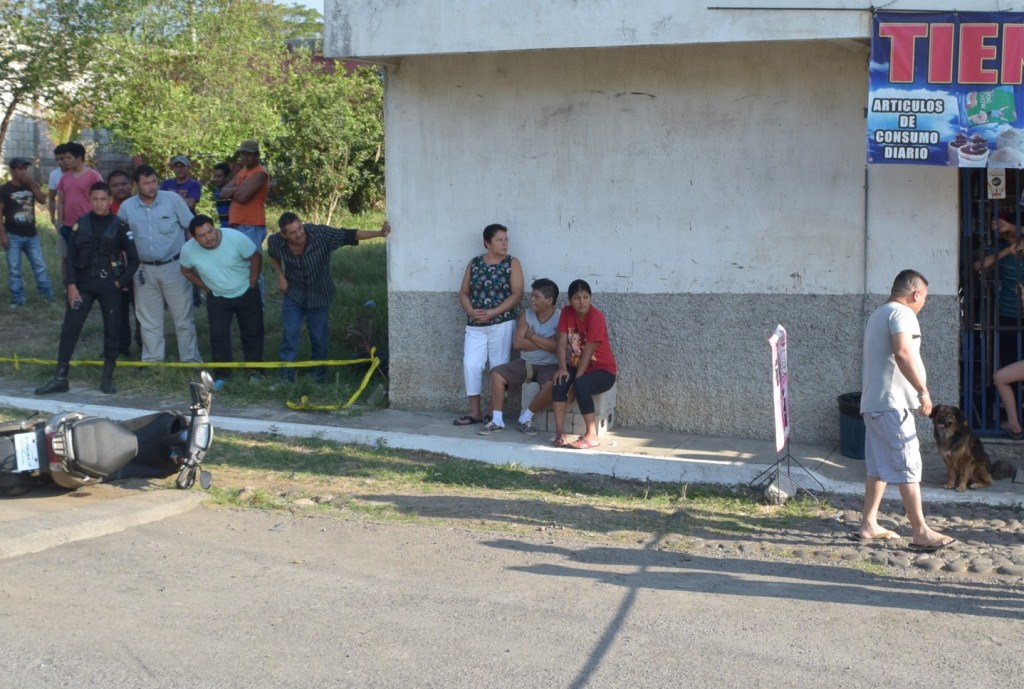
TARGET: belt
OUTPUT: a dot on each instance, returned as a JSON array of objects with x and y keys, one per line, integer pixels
[{"x": 161, "y": 263}]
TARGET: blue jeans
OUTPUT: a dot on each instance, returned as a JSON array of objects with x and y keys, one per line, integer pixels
[
  {"x": 32, "y": 249},
  {"x": 292, "y": 314}
]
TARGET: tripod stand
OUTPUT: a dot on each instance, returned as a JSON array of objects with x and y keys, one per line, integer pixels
[{"x": 783, "y": 466}]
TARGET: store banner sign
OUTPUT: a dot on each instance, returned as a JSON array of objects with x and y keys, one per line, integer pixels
[{"x": 946, "y": 89}]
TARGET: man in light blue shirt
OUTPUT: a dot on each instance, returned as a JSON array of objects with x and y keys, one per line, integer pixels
[
  {"x": 158, "y": 220},
  {"x": 226, "y": 266}
]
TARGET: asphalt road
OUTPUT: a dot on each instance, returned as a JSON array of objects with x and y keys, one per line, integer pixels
[{"x": 218, "y": 598}]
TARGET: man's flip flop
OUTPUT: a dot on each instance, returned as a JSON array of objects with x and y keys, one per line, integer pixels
[
  {"x": 559, "y": 441},
  {"x": 584, "y": 444},
  {"x": 881, "y": 536},
  {"x": 466, "y": 420},
  {"x": 938, "y": 544}
]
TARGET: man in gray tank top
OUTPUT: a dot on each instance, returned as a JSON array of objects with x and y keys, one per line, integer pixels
[{"x": 535, "y": 338}]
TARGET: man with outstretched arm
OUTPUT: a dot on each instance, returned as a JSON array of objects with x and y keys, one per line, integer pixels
[{"x": 301, "y": 257}]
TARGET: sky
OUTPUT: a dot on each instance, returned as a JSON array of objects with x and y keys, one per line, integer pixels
[{"x": 317, "y": 5}]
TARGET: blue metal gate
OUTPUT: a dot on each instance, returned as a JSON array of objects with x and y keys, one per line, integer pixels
[{"x": 990, "y": 326}]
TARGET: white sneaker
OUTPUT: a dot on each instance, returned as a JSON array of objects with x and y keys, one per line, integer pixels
[{"x": 490, "y": 427}]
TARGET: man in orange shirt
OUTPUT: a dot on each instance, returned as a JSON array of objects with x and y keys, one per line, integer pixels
[{"x": 247, "y": 191}]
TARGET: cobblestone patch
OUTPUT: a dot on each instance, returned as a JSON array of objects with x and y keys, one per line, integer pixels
[
  {"x": 990, "y": 542},
  {"x": 990, "y": 539}
]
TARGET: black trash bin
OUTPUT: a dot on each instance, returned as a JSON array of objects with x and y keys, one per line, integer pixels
[{"x": 851, "y": 426}]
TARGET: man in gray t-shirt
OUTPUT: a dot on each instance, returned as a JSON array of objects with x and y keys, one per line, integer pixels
[
  {"x": 894, "y": 386},
  {"x": 536, "y": 339}
]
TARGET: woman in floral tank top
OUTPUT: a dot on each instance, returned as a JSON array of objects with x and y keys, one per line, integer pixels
[{"x": 490, "y": 294}]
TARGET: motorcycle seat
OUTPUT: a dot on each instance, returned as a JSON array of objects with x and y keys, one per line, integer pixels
[{"x": 101, "y": 447}]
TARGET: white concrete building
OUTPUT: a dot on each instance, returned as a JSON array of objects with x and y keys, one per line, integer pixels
[{"x": 702, "y": 167}]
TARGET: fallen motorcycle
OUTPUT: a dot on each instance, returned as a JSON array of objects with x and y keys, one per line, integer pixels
[{"x": 74, "y": 450}]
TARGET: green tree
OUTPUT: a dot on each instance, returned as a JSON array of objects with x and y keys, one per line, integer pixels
[
  {"x": 192, "y": 77},
  {"x": 47, "y": 47},
  {"x": 303, "y": 24},
  {"x": 196, "y": 77},
  {"x": 329, "y": 152}
]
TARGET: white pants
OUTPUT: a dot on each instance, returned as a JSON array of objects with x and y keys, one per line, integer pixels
[
  {"x": 165, "y": 284},
  {"x": 485, "y": 344}
]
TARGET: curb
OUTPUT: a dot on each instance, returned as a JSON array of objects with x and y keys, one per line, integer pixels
[
  {"x": 35, "y": 534},
  {"x": 680, "y": 467}
]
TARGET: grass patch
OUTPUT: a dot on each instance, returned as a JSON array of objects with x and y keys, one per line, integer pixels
[{"x": 267, "y": 471}]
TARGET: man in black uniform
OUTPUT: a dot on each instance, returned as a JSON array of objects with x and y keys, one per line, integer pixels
[{"x": 101, "y": 259}]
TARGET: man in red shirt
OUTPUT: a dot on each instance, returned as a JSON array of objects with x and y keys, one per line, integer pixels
[{"x": 73, "y": 196}]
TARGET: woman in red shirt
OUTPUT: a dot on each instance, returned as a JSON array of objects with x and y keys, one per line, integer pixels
[{"x": 586, "y": 364}]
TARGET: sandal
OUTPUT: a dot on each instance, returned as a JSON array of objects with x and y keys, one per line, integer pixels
[
  {"x": 466, "y": 420},
  {"x": 938, "y": 544},
  {"x": 582, "y": 443},
  {"x": 560, "y": 441},
  {"x": 1014, "y": 435}
]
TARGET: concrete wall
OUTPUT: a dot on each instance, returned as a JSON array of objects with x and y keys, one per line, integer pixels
[
  {"x": 29, "y": 137},
  {"x": 376, "y": 29},
  {"x": 706, "y": 193}
]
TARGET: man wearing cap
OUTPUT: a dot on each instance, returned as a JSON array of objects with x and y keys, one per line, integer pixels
[
  {"x": 183, "y": 184},
  {"x": 18, "y": 235},
  {"x": 158, "y": 220},
  {"x": 247, "y": 191}
]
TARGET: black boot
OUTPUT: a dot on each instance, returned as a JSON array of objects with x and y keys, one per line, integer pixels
[
  {"x": 107, "y": 381},
  {"x": 59, "y": 382}
]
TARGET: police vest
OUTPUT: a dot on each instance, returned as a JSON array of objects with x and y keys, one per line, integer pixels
[{"x": 97, "y": 249}]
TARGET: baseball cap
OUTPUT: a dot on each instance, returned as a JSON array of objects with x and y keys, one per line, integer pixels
[
  {"x": 19, "y": 162},
  {"x": 249, "y": 146},
  {"x": 181, "y": 159}
]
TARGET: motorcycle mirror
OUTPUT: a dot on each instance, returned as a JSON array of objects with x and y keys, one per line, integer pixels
[
  {"x": 207, "y": 379},
  {"x": 205, "y": 480}
]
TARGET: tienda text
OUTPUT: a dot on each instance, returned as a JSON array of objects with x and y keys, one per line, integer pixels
[{"x": 963, "y": 53}]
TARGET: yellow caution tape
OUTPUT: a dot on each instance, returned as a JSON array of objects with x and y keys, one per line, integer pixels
[
  {"x": 302, "y": 405},
  {"x": 17, "y": 361}
]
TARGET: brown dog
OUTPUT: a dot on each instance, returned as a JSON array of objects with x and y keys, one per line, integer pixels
[{"x": 967, "y": 463}]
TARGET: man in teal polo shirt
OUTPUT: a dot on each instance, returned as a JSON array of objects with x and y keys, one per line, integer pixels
[{"x": 226, "y": 266}]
